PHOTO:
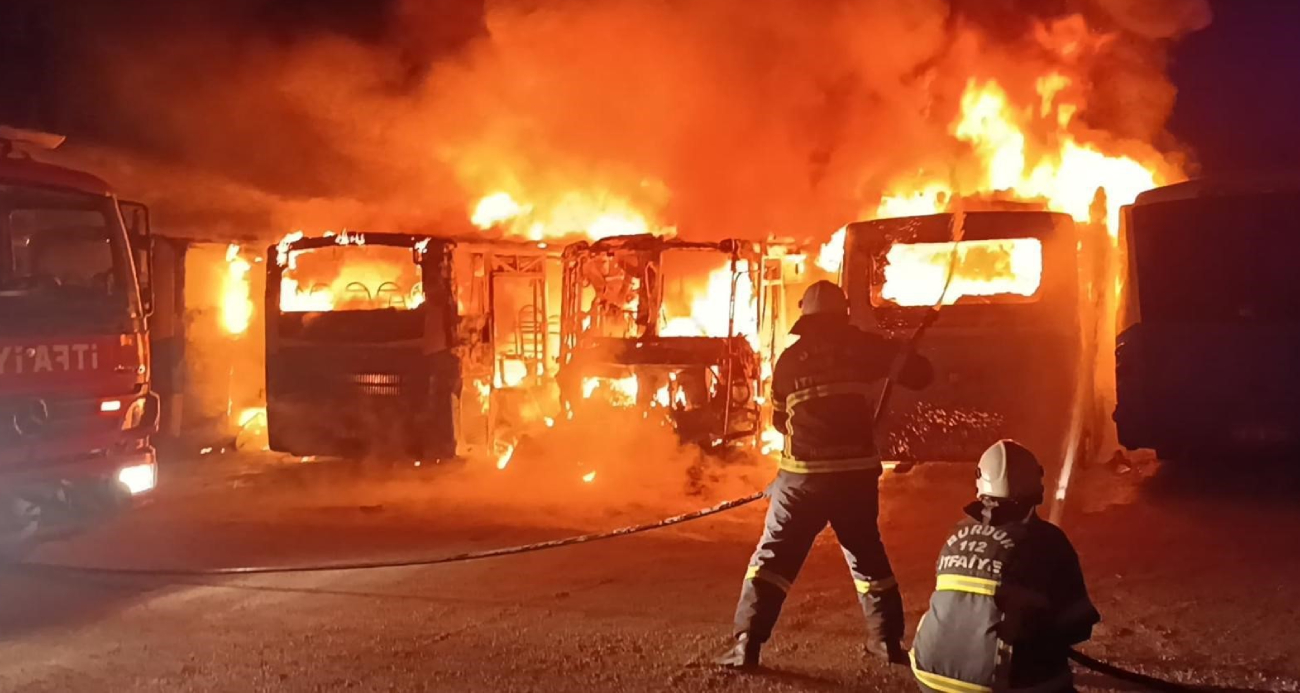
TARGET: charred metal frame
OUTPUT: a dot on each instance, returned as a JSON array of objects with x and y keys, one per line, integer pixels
[
  {"x": 419, "y": 374},
  {"x": 584, "y": 354}
]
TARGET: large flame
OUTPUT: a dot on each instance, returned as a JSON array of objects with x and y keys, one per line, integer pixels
[{"x": 1024, "y": 152}]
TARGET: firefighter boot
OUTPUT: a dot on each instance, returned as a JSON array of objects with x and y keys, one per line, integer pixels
[
  {"x": 742, "y": 655},
  {"x": 884, "y": 614},
  {"x": 887, "y": 651}
]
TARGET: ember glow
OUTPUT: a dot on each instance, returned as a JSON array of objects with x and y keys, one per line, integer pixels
[{"x": 917, "y": 273}]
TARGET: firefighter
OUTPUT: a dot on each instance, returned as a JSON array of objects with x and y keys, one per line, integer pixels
[
  {"x": 1010, "y": 599},
  {"x": 825, "y": 389}
]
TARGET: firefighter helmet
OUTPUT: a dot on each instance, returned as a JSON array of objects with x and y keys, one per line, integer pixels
[
  {"x": 1009, "y": 470},
  {"x": 824, "y": 298}
]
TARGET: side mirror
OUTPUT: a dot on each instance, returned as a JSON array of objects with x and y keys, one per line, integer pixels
[{"x": 136, "y": 218}]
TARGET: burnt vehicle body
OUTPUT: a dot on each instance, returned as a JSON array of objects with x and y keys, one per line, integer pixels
[
  {"x": 389, "y": 346},
  {"x": 1008, "y": 344},
  {"x": 635, "y": 332},
  {"x": 1210, "y": 321}
]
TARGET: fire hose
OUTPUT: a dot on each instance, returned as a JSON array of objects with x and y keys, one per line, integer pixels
[
  {"x": 405, "y": 563},
  {"x": 1080, "y": 658}
]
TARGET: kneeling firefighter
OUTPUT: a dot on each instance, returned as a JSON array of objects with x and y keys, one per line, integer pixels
[
  {"x": 1010, "y": 598},
  {"x": 825, "y": 389}
]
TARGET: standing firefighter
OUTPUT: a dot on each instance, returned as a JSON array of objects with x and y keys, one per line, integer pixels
[
  {"x": 825, "y": 389},
  {"x": 1010, "y": 599}
]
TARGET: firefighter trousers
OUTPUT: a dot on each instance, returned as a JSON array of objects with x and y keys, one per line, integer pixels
[{"x": 800, "y": 507}]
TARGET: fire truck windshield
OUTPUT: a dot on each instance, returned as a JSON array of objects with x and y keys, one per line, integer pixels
[{"x": 63, "y": 257}]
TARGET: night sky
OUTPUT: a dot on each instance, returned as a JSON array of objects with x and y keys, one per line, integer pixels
[
  {"x": 1239, "y": 87},
  {"x": 1238, "y": 105}
]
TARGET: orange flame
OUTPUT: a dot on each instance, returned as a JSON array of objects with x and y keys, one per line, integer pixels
[
  {"x": 917, "y": 273},
  {"x": 1055, "y": 168},
  {"x": 364, "y": 277},
  {"x": 236, "y": 293},
  {"x": 711, "y": 310},
  {"x": 572, "y": 214}
]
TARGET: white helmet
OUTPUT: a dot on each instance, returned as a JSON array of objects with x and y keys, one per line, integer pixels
[{"x": 1009, "y": 470}]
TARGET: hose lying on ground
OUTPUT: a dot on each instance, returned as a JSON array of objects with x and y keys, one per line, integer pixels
[
  {"x": 1115, "y": 672},
  {"x": 402, "y": 563},
  {"x": 1080, "y": 658}
]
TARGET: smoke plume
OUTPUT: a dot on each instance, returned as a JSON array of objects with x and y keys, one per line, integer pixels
[{"x": 719, "y": 117}]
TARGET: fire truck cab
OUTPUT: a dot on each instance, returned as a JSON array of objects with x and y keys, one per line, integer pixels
[
  {"x": 76, "y": 410},
  {"x": 1008, "y": 345}
]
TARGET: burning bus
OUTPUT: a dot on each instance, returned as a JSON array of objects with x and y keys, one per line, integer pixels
[
  {"x": 1210, "y": 322},
  {"x": 669, "y": 327},
  {"x": 1011, "y": 341},
  {"x": 402, "y": 345}
]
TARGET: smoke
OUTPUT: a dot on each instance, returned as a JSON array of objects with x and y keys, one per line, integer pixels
[{"x": 719, "y": 117}]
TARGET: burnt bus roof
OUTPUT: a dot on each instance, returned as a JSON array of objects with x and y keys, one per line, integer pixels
[
  {"x": 1222, "y": 187},
  {"x": 23, "y": 171},
  {"x": 407, "y": 240},
  {"x": 651, "y": 242},
  {"x": 978, "y": 226}
]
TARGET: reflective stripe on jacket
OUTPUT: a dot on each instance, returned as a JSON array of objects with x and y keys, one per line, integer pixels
[
  {"x": 825, "y": 388},
  {"x": 1006, "y": 608}
]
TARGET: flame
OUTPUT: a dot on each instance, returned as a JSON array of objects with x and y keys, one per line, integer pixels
[
  {"x": 831, "y": 255},
  {"x": 917, "y": 273},
  {"x": 495, "y": 209},
  {"x": 572, "y": 214},
  {"x": 483, "y": 393},
  {"x": 711, "y": 313},
  {"x": 236, "y": 292},
  {"x": 771, "y": 441},
  {"x": 1064, "y": 173},
  {"x": 513, "y": 373},
  {"x": 365, "y": 277},
  {"x": 589, "y": 477},
  {"x": 505, "y": 452},
  {"x": 250, "y": 415},
  {"x": 621, "y": 392},
  {"x": 671, "y": 396}
]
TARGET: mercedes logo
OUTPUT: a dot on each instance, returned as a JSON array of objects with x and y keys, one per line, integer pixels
[{"x": 31, "y": 417}]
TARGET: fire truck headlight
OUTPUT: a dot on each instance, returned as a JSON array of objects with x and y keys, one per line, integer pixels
[
  {"x": 138, "y": 478},
  {"x": 134, "y": 415}
]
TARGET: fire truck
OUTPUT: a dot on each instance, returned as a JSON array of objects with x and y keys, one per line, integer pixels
[{"x": 76, "y": 410}]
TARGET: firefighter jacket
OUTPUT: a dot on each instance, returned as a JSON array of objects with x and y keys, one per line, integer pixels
[
  {"x": 1009, "y": 602},
  {"x": 825, "y": 389}
]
